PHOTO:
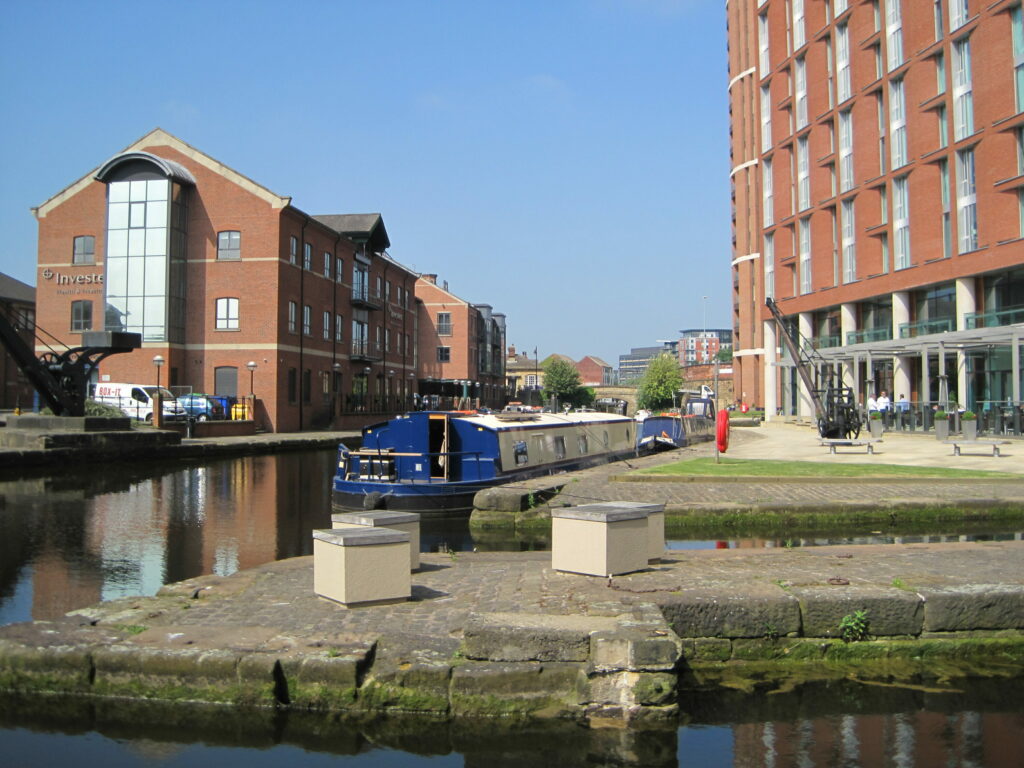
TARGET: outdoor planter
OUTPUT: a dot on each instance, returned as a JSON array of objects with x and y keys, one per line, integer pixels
[
  {"x": 875, "y": 426},
  {"x": 969, "y": 426},
  {"x": 941, "y": 426}
]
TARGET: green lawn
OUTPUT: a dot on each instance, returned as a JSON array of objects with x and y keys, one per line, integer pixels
[{"x": 764, "y": 468}]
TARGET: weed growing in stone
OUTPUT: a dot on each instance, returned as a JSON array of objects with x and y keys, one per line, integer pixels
[{"x": 854, "y": 626}]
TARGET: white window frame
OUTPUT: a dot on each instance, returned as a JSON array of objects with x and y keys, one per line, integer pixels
[
  {"x": 804, "y": 226},
  {"x": 226, "y": 317},
  {"x": 763, "y": 54},
  {"x": 766, "y": 118},
  {"x": 843, "y": 75},
  {"x": 963, "y": 97},
  {"x": 849, "y": 240},
  {"x": 893, "y": 34},
  {"x": 966, "y": 201},
  {"x": 767, "y": 193},
  {"x": 803, "y": 164},
  {"x": 799, "y": 32},
  {"x": 769, "y": 265},
  {"x": 958, "y": 14},
  {"x": 800, "y": 97},
  {"x": 897, "y": 124},
  {"x": 901, "y": 222},
  {"x": 846, "y": 182},
  {"x": 327, "y": 325}
]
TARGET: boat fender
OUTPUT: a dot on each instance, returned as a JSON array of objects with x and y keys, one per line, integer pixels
[{"x": 722, "y": 431}]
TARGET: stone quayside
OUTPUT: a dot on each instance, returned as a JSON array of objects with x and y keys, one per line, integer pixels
[{"x": 497, "y": 634}]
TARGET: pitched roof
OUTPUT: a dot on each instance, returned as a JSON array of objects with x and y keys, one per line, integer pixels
[
  {"x": 160, "y": 137},
  {"x": 15, "y": 290},
  {"x": 359, "y": 226}
]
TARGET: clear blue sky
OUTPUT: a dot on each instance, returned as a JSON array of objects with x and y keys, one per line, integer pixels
[{"x": 565, "y": 161}]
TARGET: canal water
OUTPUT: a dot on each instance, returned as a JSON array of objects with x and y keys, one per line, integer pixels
[
  {"x": 78, "y": 537},
  {"x": 73, "y": 538}
]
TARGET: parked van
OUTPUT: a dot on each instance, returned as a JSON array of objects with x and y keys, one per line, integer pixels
[{"x": 136, "y": 400}]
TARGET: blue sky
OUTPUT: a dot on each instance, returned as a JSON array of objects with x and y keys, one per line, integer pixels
[{"x": 565, "y": 161}]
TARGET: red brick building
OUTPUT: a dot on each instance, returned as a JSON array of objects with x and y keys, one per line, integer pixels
[
  {"x": 877, "y": 157},
  {"x": 238, "y": 290},
  {"x": 461, "y": 345},
  {"x": 594, "y": 372}
]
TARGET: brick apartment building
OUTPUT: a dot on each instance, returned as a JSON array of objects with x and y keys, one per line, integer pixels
[
  {"x": 877, "y": 153},
  {"x": 18, "y": 306},
  {"x": 462, "y": 362},
  {"x": 216, "y": 272},
  {"x": 702, "y": 345}
]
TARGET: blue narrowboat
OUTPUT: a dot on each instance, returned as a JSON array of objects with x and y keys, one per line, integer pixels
[
  {"x": 434, "y": 463},
  {"x": 664, "y": 431}
]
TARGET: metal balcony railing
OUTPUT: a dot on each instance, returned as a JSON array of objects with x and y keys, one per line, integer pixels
[
  {"x": 925, "y": 327},
  {"x": 995, "y": 318},
  {"x": 869, "y": 334}
]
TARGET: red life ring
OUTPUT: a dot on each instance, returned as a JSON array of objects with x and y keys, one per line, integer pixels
[{"x": 722, "y": 431}]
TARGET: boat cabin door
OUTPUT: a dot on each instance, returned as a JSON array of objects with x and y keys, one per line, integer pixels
[{"x": 437, "y": 446}]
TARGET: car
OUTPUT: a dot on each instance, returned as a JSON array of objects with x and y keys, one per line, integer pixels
[{"x": 201, "y": 407}]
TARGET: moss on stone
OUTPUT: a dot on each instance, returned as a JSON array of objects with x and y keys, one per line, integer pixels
[{"x": 375, "y": 695}]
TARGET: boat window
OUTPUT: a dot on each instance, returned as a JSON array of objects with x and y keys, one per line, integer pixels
[
  {"x": 604, "y": 439},
  {"x": 559, "y": 447},
  {"x": 582, "y": 443},
  {"x": 519, "y": 451}
]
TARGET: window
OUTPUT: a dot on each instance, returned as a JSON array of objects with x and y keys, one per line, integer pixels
[
  {"x": 803, "y": 175},
  {"x": 519, "y": 450},
  {"x": 937, "y": 13},
  {"x": 387, "y": 339},
  {"x": 327, "y": 265},
  {"x": 293, "y": 249},
  {"x": 940, "y": 115},
  {"x": 799, "y": 36},
  {"x": 901, "y": 223},
  {"x": 307, "y": 320},
  {"x": 81, "y": 316},
  {"x": 963, "y": 99},
  {"x": 444, "y": 354},
  {"x": 559, "y": 447},
  {"x": 1017, "y": 36},
  {"x": 307, "y": 256},
  {"x": 766, "y": 119},
  {"x": 800, "y": 77},
  {"x": 339, "y": 324},
  {"x": 839, "y": 7},
  {"x": 327, "y": 326},
  {"x": 769, "y": 265},
  {"x": 444, "y": 323},
  {"x": 940, "y": 74},
  {"x": 767, "y": 194},
  {"x": 966, "y": 201},
  {"x": 84, "y": 250},
  {"x": 893, "y": 34},
  {"x": 957, "y": 14},
  {"x": 339, "y": 270},
  {"x": 849, "y": 234},
  {"x": 762, "y": 44},
  {"x": 307, "y": 385},
  {"x": 293, "y": 316},
  {"x": 897, "y": 124},
  {"x": 845, "y": 151},
  {"x": 293, "y": 385},
  {"x": 229, "y": 245},
  {"x": 845, "y": 89},
  {"x": 582, "y": 444},
  {"x": 805, "y": 255},
  {"x": 227, "y": 315},
  {"x": 947, "y": 225},
  {"x": 387, "y": 291}
]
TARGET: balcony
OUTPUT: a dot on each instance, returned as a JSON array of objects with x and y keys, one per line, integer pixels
[
  {"x": 994, "y": 319},
  {"x": 868, "y": 335},
  {"x": 366, "y": 351},
  {"x": 362, "y": 296},
  {"x": 925, "y": 328},
  {"x": 825, "y": 342}
]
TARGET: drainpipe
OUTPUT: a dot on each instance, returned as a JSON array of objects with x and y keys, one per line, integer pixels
[{"x": 302, "y": 313}]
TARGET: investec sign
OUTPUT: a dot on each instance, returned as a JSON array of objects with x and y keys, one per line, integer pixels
[{"x": 78, "y": 283}]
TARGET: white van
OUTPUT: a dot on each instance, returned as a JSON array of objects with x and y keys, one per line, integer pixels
[{"x": 136, "y": 400}]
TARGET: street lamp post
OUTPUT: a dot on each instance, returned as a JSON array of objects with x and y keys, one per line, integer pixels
[
  {"x": 251, "y": 365},
  {"x": 158, "y": 400}
]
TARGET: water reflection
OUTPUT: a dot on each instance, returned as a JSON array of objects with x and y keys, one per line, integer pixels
[
  {"x": 71, "y": 539},
  {"x": 977, "y": 723}
]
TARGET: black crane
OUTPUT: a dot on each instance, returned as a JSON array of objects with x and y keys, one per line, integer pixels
[
  {"x": 834, "y": 404},
  {"x": 61, "y": 377}
]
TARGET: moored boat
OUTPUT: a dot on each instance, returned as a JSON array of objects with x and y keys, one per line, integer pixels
[
  {"x": 677, "y": 429},
  {"x": 436, "y": 462}
]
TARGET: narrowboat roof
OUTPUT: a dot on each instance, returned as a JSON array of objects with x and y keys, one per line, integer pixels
[{"x": 509, "y": 421}]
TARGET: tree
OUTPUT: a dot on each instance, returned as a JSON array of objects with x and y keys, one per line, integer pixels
[
  {"x": 724, "y": 355},
  {"x": 659, "y": 385},
  {"x": 561, "y": 379}
]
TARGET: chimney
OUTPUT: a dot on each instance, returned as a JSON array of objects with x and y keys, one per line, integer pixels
[
  {"x": 432, "y": 279},
  {"x": 511, "y": 350}
]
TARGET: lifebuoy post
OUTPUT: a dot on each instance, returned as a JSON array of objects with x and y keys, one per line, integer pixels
[{"x": 721, "y": 433}]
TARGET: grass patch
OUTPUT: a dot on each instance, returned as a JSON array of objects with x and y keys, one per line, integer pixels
[{"x": 707, "y": 467}]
